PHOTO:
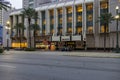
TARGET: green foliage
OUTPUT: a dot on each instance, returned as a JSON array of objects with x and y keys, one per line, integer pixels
[
  {"x": 34, "y": 27},
  {"x": 28, "y": 12},
  {"x": 1, "y": 49},
  {"x": 29, "y": 49},
  {"x": 105, "y": 18}
]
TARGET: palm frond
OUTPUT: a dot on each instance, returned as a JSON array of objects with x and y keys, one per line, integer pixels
[
  {"x": 34, "y": 27},
  {"x": 4, "y": 5}
]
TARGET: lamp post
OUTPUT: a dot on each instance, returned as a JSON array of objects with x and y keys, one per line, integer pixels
[
  {"x": 7, "y": 34},
  {"x": 117, "y": 32}
]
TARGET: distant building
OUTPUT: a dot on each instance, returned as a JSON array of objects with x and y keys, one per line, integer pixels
[
  {"x": 37, "y": 3},
  {"x": 34, "y": 3}
]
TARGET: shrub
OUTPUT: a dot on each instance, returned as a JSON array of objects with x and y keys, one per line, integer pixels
[
  {"x": 1, "y": 50},
  {"x": 29, "y": 49}
]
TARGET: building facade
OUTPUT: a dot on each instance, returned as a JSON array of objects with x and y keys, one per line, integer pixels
[
  {"x": 4, "y": 17},
  {"x": 72, "y": 22}
]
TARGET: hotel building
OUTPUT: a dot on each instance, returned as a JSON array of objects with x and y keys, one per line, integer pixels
[{"x": 70, "y": 23}]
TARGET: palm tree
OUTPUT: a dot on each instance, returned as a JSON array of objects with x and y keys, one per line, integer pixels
[
  {"x": 29, "y": 13},
  {"x": 20, "y": 31},
  {"x": 35, "y": 27},
  {"x": 105, "y": 19},
  {"x": 4, "y": 5}
]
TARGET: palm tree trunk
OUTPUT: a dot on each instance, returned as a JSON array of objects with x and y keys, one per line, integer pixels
[
  {"x": 20, "y": 37},
  {"x": 105, "y": 37},
  {"x": 34, "y": 39},
  {"x": 29, "y": 21}
]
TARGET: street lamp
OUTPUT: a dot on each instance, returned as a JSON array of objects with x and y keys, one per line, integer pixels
[
  {"x": 7, "y": 34},
  {"x": 117, "y": 32}
]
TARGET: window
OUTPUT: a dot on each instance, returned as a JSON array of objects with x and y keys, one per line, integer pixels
[
  {"x": 79, "y": 30},
  {"x": 69, "y": 19},
  {"x": 90, "y": 29},
  {"x": 89, "y": 7},
  {"x": 69, "y": 30},
  {"x": 60, "y": 20},
  {"x": 79, "y": 19},
  {"x": 90, "y": 17},
  {"x": 103, "y": 5},
  {"x": 103, "y": 29},
  {"x": 69, "y": 10},
  {"x": 79, "y": 9},
  {"x": 60, "y": 11}
]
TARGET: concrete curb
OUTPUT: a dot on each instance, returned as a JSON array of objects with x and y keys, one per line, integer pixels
[{"x": 74, "y": 54}]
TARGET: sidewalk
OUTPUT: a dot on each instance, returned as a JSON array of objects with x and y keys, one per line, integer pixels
[{"x": 67, "y": 53}]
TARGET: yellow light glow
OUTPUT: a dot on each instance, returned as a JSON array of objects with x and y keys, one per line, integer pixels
[
  {"x": 8, "y": 22},
  {"x": 79, "y": 9},
  {"x": 117, "y": 7},
  {"x": 117, "y": 17},
  {"x": 18, "y": 45}
]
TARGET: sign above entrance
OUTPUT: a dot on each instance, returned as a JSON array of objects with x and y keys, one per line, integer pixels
[{"x": 65, "y": 38}]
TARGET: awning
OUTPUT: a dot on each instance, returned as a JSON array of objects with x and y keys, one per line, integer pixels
[
  {"x": 42, "y": 8},
  {"x": 78, "y": 2},
  {"x": 60, "y": 5},
  {"x": 69, "y": 3},
  {"x": 52, "y": 6}
]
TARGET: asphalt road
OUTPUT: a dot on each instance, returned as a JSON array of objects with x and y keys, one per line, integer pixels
[{"x": 49, "y": 66}]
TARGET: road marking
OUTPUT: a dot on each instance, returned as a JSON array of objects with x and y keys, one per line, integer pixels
[{"x": 7, "y": 66}]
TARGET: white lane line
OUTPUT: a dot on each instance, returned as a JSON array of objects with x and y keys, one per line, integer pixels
[{"x": 7, "y": 66}]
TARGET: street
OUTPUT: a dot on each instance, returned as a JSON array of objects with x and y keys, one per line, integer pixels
[{"x": 49, "y": 66}]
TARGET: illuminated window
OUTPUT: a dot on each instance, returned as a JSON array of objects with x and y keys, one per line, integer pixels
[
  {"x": 60, "y": 20},
  {"x": 103, "y": 29},
  {"x": 51, "y": 12},
  {"x": 69, "y": 10},
  {"x": 90, "y": 29},
  {"x": 52, "y": 21},
  {"x": 70, "y": 30},
  {"x": 104, "y": 5},
  {"x": 44, "y": 22},
  {"x": 60, "y": 11},
  {"x": 89, "y": 7},
  {"x": 69, "y": 19},
  {"x": 79, "y": 19},
  {"x": 79, "y": 9},
  {"x": 79, "y": 29},
  {"x": 90, "y": 17},
  {"x": 18, "y": 45}
]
